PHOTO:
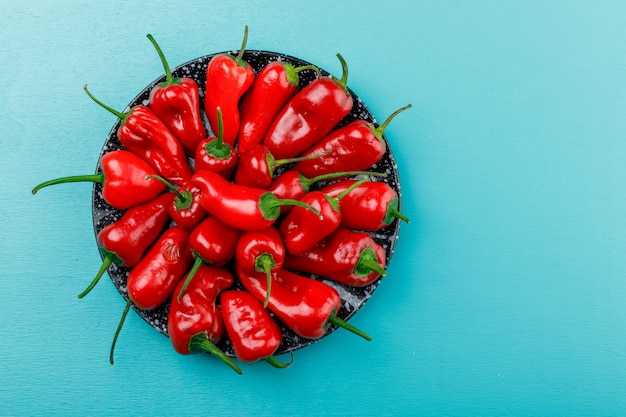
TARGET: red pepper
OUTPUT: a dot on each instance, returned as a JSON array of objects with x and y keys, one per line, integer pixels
[
  {"x": 307, "y": 306},
  {"x": 301, "y": 229},
  {"x": 273, "y": 86},
  {"x": 143, "y": 133},
  {"x": 257, "y": 165},
  {"x": 194, "y": 322},
  {"x": 123, "y": 179},
  {"x": 177, "y": 103},
  {"x": 309, "y": 115},
  {"x": 211, "y": 242},
  {"x": 227, "y": 79},
  {"x": 124, "y": 241},
  {"x": 346, "y": 256},
  {"x": 355, "y": 146},
  {"x": 252, "y": 331},
  {"x": 185, "y": 209},
  {"x": 239, "y": 206},
  {"x": 261, "y": 251},
  {"x": 214, "y": 155},
  {"x": 371, "y": 207}
]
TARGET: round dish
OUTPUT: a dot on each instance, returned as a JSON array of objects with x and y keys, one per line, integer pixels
[{"x": 352, "y": 297}]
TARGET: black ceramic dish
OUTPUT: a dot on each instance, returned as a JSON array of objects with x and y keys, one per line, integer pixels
[{"x": 352, "y": 298}]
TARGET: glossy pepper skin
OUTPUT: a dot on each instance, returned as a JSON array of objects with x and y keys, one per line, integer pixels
[
  {"x": 307, "y": 306},
  {"x": 227, "y": 79},
  {"x": 371, "y": 206},
  {"x": 238, "y": 206},
  {"x": 273, "y": 86},
  {"x": 143, "y": 133},
  {"x": 124, "y": 241},
  {"x": 309, "y": 115},
  {"x": 355, "y": 146},
  {"x": 185, "y": 209},
  {"x": 177, "y": 103},
  {"x": 212, "y": 154},
  {"x": 254, "y": 334},
  {"x": 194, "y": 322},
  {"x": 346, "y": 256},
  {"x": 123, "y": 178}
]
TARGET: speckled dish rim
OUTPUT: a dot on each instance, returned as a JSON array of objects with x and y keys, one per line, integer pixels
[{"x": 353, "y": 298}]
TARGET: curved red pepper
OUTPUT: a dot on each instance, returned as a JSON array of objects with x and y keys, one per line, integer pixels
[
  {"x": 123, "y": 179},
  {"x": 261, "y": 251},
  {"x": 346, "y": 256},
  {"x": 185, "y": 209},
  {"x": 307, "y": 306},
  {"x": 251, "y": 329},
  {"x": 214, "y": 155},
  {"x": 227, "y": 79},
  {"x": 124, "y": 241},
  {"x": 355, "y": 146},
  {"x": 177, "y": 103},
  {"x": 143, "y": 133},
  {"x": 371, "y": 207},
  {"x": 194, "y": 322},
  {"x": 211, "y": 242},
  {"x": 239, "y": 206},
  {"x": 273, "y": 86},
  {"x": 309, "y": 115}
]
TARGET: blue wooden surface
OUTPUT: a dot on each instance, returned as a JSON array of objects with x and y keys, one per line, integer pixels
[{"x": 507, "y": 292}]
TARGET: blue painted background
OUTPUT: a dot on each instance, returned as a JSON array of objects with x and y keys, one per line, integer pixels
[{"x": 507, "y": 292}]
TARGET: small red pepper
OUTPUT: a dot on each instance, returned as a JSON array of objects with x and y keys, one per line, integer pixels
[
  {"x": 309, "y": 115},
  {"x": 252, "y": 331},
  {"x": 273, "y": 86},
  {"x": 143, "y": 133},
  {"x": 123, "y": 179},
  {"x": 227, "y": 79},
  {"x": 214, "y": 155},
  {"x": 261, "y": 251},
  {"x": 211, "y": 242},
  {"x": 124, "y": 241},
  {"x": 346, "y": 256},
  {"x": 307, "y": 306},
  {"x": 355, "y": 146},
  {"x": 301, "y": 229},
  {"x": 177, "y": 103},
  {"x": 373, "y": 206},
  {"x": 257, "y": 165},
  {"x": 239, "y": 206},
  {"x": 185, "y": 209},
  {"x": 194, "y": 322}
]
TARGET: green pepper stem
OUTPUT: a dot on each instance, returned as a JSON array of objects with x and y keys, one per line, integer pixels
[
  {"x": 393, "y": 212},
  {"x": 333, "y": 319},
  {"x": 264, "y": 263},
  {"x": 168, "y": 184},
  {"x": 350, "y": 188},
  {"x": 201, "y": 342},
  {"x": 270, "y": 205},
  {"x": 239, "y": 57},
  {"x": 119, "y": 114},
  {"x": 343, "y": 81},
  {"x": 278, "y": 364},
  {"x": 169, "y": 80},
  {"x": 378, "y": 131},
  {"x": 119, "y": 329},
  {"x": 106, "y": 262},
  {"x": 293, "y": 73},
  {"x": 275, "y": 163},
  {"x": 308, "y": 182},
  {"x": 196, "y": 265},
  {"x": 217, "y": 147},
  {"x": 97, "y": 178},
  {"x": 367, "y": 263}
]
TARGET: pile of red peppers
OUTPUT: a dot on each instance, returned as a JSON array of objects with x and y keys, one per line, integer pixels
[{"x": 210, "y": 224}]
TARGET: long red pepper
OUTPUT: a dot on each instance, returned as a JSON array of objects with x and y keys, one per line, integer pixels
[
  {"x": 306, "y": 306},
  {"x": 124, "y": 241},
  {"x": 309, "y": 115},
  {"x": 177, "y": 103},
  {"x": 355, "y": 146},
  {"x": 261, "y": 251},
  {"x": 185, "y": 210},
  {"x": 123, "y": 178},
  {"x": 214, "y": 155},
  {"x": 227, "y": 79},
  {"x": 194, "y": 322},
  {"x": 273, "y": 86},
  {"x": 143, "y": 133},
  {"x": 239, "y": 206},
  {"x": 252, "y": 331},
  {"x": 346, "y": 256},
  {"x": 372, "y": 206}
]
